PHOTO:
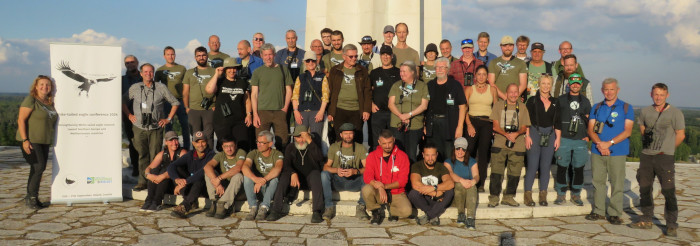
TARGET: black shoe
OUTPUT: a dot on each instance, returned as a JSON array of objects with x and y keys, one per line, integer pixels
[
  {"x": 316, "y": 218},
  {"x": 481, "y": 190},
  {"x": 154, "y": 208},
  {"x": 221, "y": 212},
  {"x": 377, "y": 216},
  {"x": 393, "y": 218},
  {"x": 274, "y": 216},
  {"x": 32, "y": 203},
  {"x": 145, "y": 207},
  {"x": 461, "y": 219},
  {"x": 615, "y": 220},
  {"x": 471, "y": 224},
  {"x": 139, "y": 187},
  {"x": 594, "y": 216}
]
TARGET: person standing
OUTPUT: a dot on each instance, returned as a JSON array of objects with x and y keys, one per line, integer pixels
[
  {"x": 171, "y": 74},
  {"x": 351, "y": 95},
  {"x": 479, "y": 132},
  {"x": 291, "y": 56},
  {"x": 132, "y": 76},
  {"x": 197, "y": 101},
  {"x": 483, "y": 53},
  {"x": 464, "y": 69},
  {"x": 445, "y": 116},
  {"x": 310, "y": 97},
  {"x": 408, "y": 99},
  {"x": 507, "y": 69},
  {"x": 402, "y": 51},
  {"x": 232, "y": 106},
  {"x": 382, "y": 79},
  {"x": 215, "y": 58}
]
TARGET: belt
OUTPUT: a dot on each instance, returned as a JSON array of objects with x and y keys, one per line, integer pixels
[
  {"x": 436, "y": 116},
  {"x": 480, "y": 117}
]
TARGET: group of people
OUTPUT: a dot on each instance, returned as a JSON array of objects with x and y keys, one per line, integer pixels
[{"x": 435, "y": 124}]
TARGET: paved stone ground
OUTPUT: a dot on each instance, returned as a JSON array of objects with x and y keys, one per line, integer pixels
[{"x": 122, "y": 223}]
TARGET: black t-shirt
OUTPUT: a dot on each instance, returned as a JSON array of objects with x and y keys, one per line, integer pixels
[
  {"x": 230, "y": 94},
  {"x": 445, "y": 99},
  {"x": 382, "y": 79},
  {"x": 538, "y": 115},
  {"x": 569, "y": 107},
  {"x": 439, "y": 106}
]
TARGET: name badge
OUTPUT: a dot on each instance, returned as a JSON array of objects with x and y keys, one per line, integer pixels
[
  {"x": 450, "y": 100},
  {"x": 293, "y": 65},
  {"x": 144, "y": 105}
]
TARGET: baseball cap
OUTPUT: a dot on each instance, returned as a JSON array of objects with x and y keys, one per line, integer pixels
[
  {"x": 575, "y": 78},
  {"x": 461, "y": 143},
  {"x": 468, "y": 43},
  {"x": 389, "y": 28},
  {"x": 386, "y": 49},
  {"x": 507, "y": 40},
  {"x": 230, "y": 62},
  {"x": 368, "y": 40},
  {"x": 347, "y": 127},
  {"x": 299, "y": 129},
  {"x": 537, "y": 45},
  {"x": 170, "y": 135},
  {"x": 309, "y": 55},
  {"x": 431, "y": 47},
  {"x": 199, "y": 136}
]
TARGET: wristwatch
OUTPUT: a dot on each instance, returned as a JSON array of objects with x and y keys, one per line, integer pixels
[
  {"x": 612, "y": 141},
  {"x": 435, "y": 186}
]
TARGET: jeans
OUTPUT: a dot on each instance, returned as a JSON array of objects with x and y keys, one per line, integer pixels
[
  {"x": 268, "y": 191},
  {"x": 41, "y": 153},
  {"x": 332, "y": 181},
  {"x": 431, "y": 207},
  {"x": 181, "y": 114},
  {"x": 539, "y": 157}
]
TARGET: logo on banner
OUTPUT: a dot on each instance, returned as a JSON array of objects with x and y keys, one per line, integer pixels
[
  {"x": 99, "y": 180},
  {"x": 85, "y": 82},
  {"x": 70, "y": 180}
]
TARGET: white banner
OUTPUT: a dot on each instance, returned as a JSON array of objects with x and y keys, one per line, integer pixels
[{"x": 87, "y": 156}]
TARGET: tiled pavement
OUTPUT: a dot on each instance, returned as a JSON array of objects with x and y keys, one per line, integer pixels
[{"x": 122, "y": 223}]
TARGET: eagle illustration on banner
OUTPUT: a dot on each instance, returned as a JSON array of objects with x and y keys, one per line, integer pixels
[{"x": 85, "y": 83}]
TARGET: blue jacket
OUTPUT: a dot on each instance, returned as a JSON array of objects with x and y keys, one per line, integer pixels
[
  {"x": 254, "y": 63},
  {"x": 195, "y": 166}
]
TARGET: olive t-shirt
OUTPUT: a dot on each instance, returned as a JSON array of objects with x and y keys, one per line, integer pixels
[
  {"x": 263, "y": 164},
  {"x": 271, "y": 87},
  {"x": 198, "y": 79},
  {"x": 507, "y": 118},
  {"x": 533, "y": 78},
  {"x": 225, "y": 163},
  {"x": 407, "y": 54},
  {"x": 366, "y": 61},
  {"x": 216, "y": 60},
  {"x": 664, "y": 129},
  {"x": 41, "y": 123},
  {"x": 331, "y": 59},
  {"x": 172, "y": 76},
  {"x": 412, "y": 97},
  {"x": 507, "y": 72},
  {"x": 429, "y": 176},
  {"x": 345, "y": 157},
  {"x": 428, "y": 72},
  {"x": 347, "y": 97}
]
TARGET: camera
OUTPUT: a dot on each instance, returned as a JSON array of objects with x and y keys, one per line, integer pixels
[
  {"x": 206, "y": 102},
  {"x": 647, "y": 138},
  {"x": 307, "y": 96},
  {"x": 574, "y": 124},
  {"x": 510, "y": 128},
  {"x": 243, "y": 74},
  {"x": 468, "y": 79},
  {"x": 544, "y": 140},
  {"x": 598, "y": 127},
  {"x": 225, "y": 110},
  {"x": 403, "y": 127},
  {"x": 146, "y": 119}
]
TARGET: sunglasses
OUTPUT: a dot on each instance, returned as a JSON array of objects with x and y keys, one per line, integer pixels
[
  {"x": 460, "y": 148},
  {"x": 548, "y": 74},
  {"x": 307, "y": 61},
  {"x": 352, "y": 57},
  {"x": 467, "y": 41},
  {"x": 258, "y": 39}
]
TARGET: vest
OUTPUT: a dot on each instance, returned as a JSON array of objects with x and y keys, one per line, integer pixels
[
  {"x": 314, "y": 86},
  {"x": 165, "y": 162}
]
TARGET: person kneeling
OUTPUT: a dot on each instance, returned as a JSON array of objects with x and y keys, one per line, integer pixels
[
  {"x": 224, "y": 178},
  {"x": 432, "y": 186},
  {"x": 190, "y": 187},
  {"x": 386, "y": 175},
  {"x": 263, "y": 177},
  {"x": 465, "y": 173},
  {"x": 302, "y": 162}
]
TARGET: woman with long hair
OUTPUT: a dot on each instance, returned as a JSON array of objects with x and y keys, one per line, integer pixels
[{"x": 480, "y": 98}]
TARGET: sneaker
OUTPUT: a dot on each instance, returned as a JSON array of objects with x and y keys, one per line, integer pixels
[
  {"x": 508, "y": 200},
  {"x": 641, "y": 225},
  {"x": 316, "y": 217},
  {"x": 361, "y": 212},
  {"x": 615, "y": 220},
  {"x": 561, "y": 199},
  {"x": 377, "y": 216},
  {"x": 274, "y": 216},
  {"x": 393, "y": 218},
  {"x": 422, "y": 220},
  {"x": 221, "y": 212},
  {"x": 154, "y": 208},
  {"x": 493, "y": 201},
  {"x": 212, "y": 209},
  {"x": 329, "y": 213},
  {"x": 145, "y": 207},
  {"x": 576, "y": 199},
  {"x": 594, "y": 216},
  {"x": 251, "y": 214},
  {"x": 435, "y": 221},
  {"x": 672, "y": 232},
  {"x": 180, "y": 212},
  {"x": 262, "y": 213},
  {"x": 139, "y": 187},
  {"x": 471, "y": 224},
  {"x": 461, "y": 219}
]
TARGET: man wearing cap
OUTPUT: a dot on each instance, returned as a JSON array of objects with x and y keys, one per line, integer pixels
[
  {"x": 446, "y": 112},
  {"x": 310, "y": 97},
  {"x": 609, "y": 128},
  {"x": 402, "y": 51},
  {"x": 343, "y": 171},
  {"x": 291, "y": 56},
  {"x": 326, "y": 38},
  {"x": 148, "y": 117},
  {"x": 258, "y": 41},
  {"x": 224, "y": 178},
  {"x": 301, "y": 169},
  {"x": 248, "y": 61},
  {"x": 427, "y": 67},
  {"x": 432, "y": 186},
  {"x": 388, "y": 34},
  {"x": 463, "y": 70},
  {"x": 536, "y": 66},
  {"x": 505, "y": 70},
  {"x": 367, "y": 59},
  {"x": 572, "y": 154},
  {"x": 157, "y": 173},
  {"x": 232, "y": 104},
  {"x": 334, "y": 57},
  {"x": 171, "y": 74},
  {"x": 483, "y": 54},
  {"x": 446, "y": 50},
  {"x": 521, "y": 44},
  {"x": 382, "y": 79},
  {"x": 192, "y": 184},
  {"x": 261, "y": 169},
  {"x": 565, "y": 49},
  {"x": 215, "y": 57},
  {"x": 351, "y": 95},
  {"x": 271, "y": 93},
  {"x": 197, "y": 101},
  {"x": 561, "y": 85}
]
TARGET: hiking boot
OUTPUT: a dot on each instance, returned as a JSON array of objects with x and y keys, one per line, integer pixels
[
  {"x": 361, "y": 212},
  {"x": 221, "y": 212},
  {"x": 615, "y": 220},
  {"x": 262, "y": 213},
  {"x": 377, "y": 216},
  {"x": 508, "y": 200},
  {"x": 527, "y": 199},
  {"x": 471, "y": 224},
  {"x": 422, "y": 220},
  {"x": 329, "y": 213},
  {"x": 641, "y": 225},
  {"x": 461, "y": 219},
  {"x": 316, "y": 217},
  {"x": 252, "y": 213},
  {"x": 543, "y": 198},
  {"x": 180, "y": 211},
  {"x": 435, "y": 221},
  {"x": 561, "y": 199},
  {"x": 672, "y": 232},
  {"x": 576, "y": 199},
  {"x": 594, "y": 216},
  {"x": 274, "y": 216},
  {"x": 493, "y": 201},
  {"x": 212, "y": 209}
]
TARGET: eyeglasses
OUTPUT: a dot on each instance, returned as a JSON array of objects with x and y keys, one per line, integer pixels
[
  {"x": 258, "y": 39},
  {"x": 129, "y": 62},
  {"x": 467, "y": 41},
  {"x": 353, "y": 57},
  {"x": 460, "y": 148},
  {"x": 262, "y": 142}
]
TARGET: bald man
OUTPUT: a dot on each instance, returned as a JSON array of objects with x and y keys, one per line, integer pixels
[{"x": 216, "y": 58}]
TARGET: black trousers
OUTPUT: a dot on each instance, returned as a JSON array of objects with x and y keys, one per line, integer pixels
[
  {"x": 133, "y": 154},
  {"x": 442, "y": 137},
  {"x": 663, "y": 168},
  {"x": 156, "y": 192},
  {"x": 313, "y": 181},
  {"x": 37, "y": 164},
  {"x": 344, "y": 116},
  {"x": 480, "y": 145},
  {"x": 408, "y": 142},
  {"x": 378, "y": 121},
  {"x": 191, "y": 192},
  {"x": 230, "y": 129}
]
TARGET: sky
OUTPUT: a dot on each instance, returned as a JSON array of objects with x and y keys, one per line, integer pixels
[{"x": 638, "y": 42}]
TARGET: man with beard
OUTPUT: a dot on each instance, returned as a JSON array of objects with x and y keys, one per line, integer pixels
[
  {"x": 343, "y": 171},
  {"x": 248, "y": 62},
  {"x": 561, "y": 86},
  {"x": 402, "y": 51},
  {"x": 301, "y": 168},
  {"x": 197, "y": 101},
  {"x": 190, "y": 186},
  {"x": 445, "y": 117},
  {"x": 271, "y": 93},
  {"x": 483, "y": 54},
  {"x": 292, "y": 56},
  {"x": 351, "y": 94},
  {"x": 258, "y": 41},
  {"x": 446, "y": 50},
  {"x": 464, "y": 69},
  {"x": 432, "y": 186},
  {"x": 565, "y": 49},
  {"x": 224, "y": 178},
  {"x": 382, "y": 79},
  {"x": 334, "y": 57},
  {"x": 261, "y": 169},
  {"x": 171, "y": 74},
  {"x": 505, "y": 70},
  {"x": 215, "y": 58},
  {"x": 131, "y": 77},
  {"x": 367, "y": 59}
]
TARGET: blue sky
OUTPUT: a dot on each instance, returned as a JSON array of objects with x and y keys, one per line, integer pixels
[{"x": 639, "y": 42}]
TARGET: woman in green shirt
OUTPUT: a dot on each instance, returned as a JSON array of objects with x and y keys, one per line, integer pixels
[
  {"x": 408, "y": 99},
  {"x": 35, "y": 128}
]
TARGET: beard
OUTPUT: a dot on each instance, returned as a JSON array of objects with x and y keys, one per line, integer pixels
[
  {"x": 202, "y": 64},
  {"x": 301, "y": 146}
]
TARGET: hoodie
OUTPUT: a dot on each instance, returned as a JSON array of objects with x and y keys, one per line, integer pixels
[{"x": 397, "y": 169}]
